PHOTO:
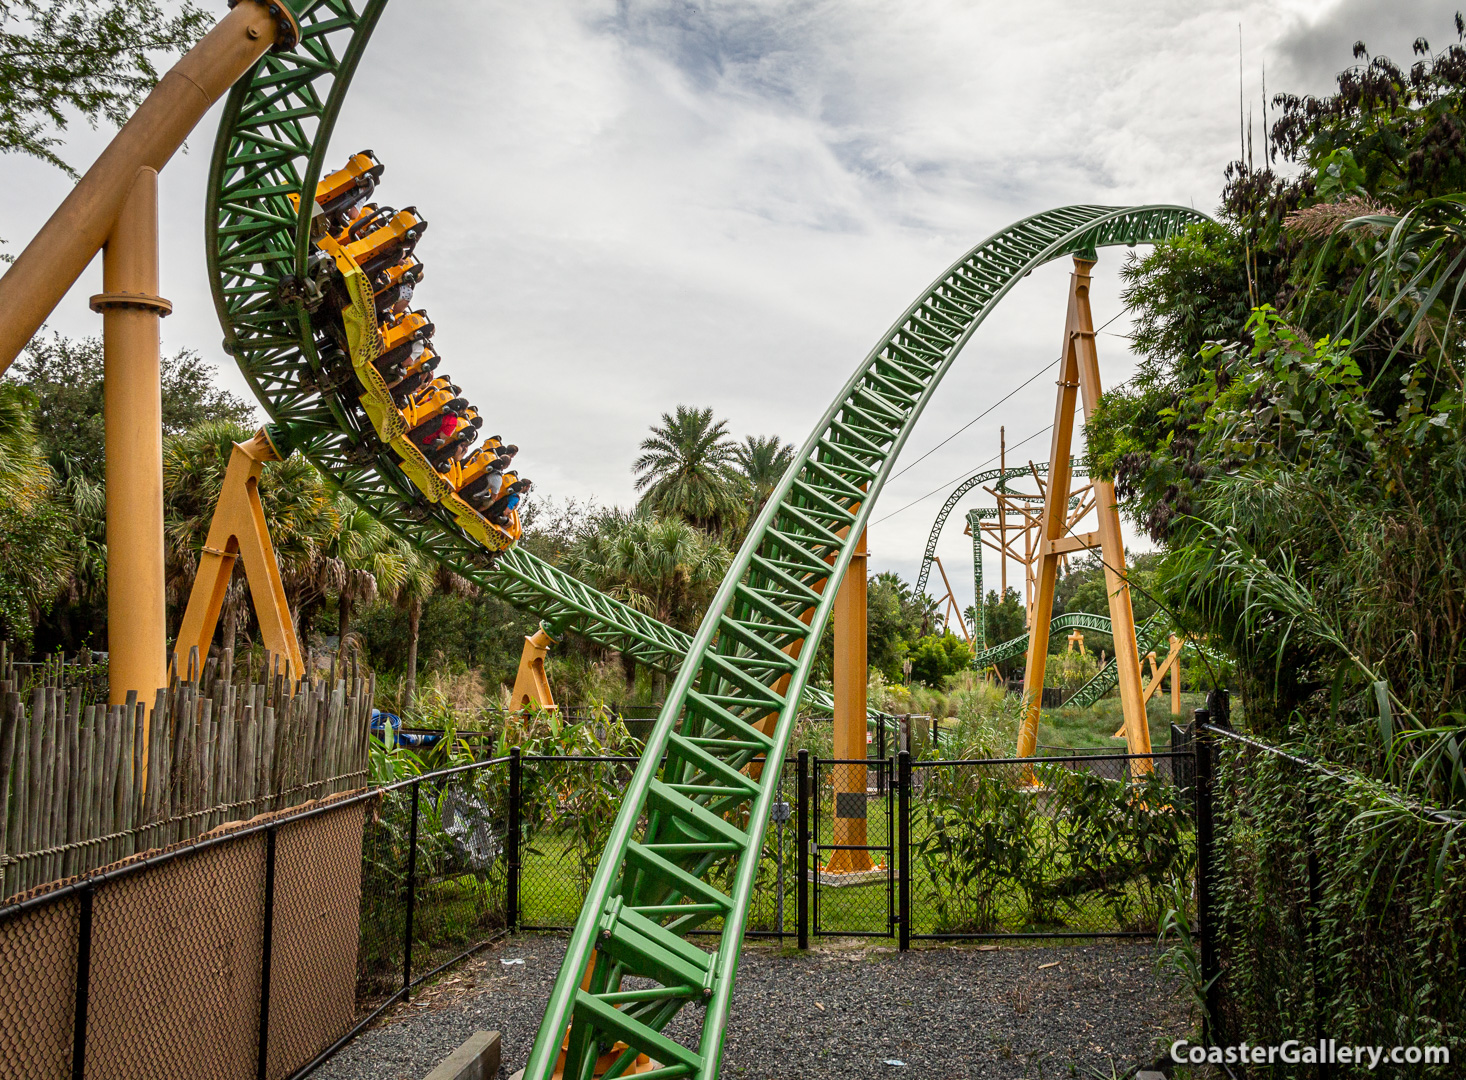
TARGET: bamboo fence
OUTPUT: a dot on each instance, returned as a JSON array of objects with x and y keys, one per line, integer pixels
[{"x": 83, "y": 785}]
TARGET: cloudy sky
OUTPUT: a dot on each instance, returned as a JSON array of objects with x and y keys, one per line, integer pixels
[{"x": 635, "y": 205}]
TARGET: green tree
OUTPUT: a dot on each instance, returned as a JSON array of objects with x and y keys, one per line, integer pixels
[
  {"x": 36, "y": 556},
  {"x": 661, "y": 566},
  {"x": 423, "y": 577},
  {"x": 937, "y": 656},
  {"x": 686, "y": 470},
  {"x": 372, "y": 562},
  {"x": 895, "y": 619},
  {"x": 1006, "y": 620},
  {"x": 1305, "y": 471},
  {"x": 762, "y": 462},
  {"x": 93, "y": 58},
  {"x": 65, "y": 375}
]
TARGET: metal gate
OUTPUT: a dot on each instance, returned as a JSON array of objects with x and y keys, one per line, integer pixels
[{"x": 852, "y": 840}]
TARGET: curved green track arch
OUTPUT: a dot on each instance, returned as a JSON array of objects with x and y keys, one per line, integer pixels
[
  {"x": 676, "y": 855},
  {"x": 674, "y": 861},
  {"x": 977, "y": 478}
]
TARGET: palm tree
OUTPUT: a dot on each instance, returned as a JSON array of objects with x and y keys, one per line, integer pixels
[
  {"x": 686, "y": 471},
  {"x": 24, "y": 474},
  {"x": 37, "y": 557},
  {"x": 763, "y": 461},
  {"x": 423, "y": 577},
  {"x": 372, "y": 562},
  {"x": 661, "y": 566}
]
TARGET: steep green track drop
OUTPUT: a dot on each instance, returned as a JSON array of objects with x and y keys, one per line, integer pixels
[
  {"x": 272, "y": 143},
  {"x": 684, "y": 847}
]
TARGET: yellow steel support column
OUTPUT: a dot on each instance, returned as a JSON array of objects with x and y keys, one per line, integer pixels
[
  {"x": 239, "y": 530},
  {"x": 1079, "y": 376},
  {"x": 1055, "y": 517},
  {"x": 133, "y": 418},
  {"x": 531, "y": 687},
  {"x": 1112, "y": 546},
  {"x": 849, "y": 735}
]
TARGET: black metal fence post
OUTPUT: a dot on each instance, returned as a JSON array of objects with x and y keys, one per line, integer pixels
[
  {"x": 267, "y": 943},
  {"x": 83, "y": 985},
  {"x": 411, "y": 892},
  {"x": 801, "y": 798},
  {"x": 903, "y": 848},
  {"x": 1315, "y": 905},
  {"x": 511, "y": 842},
  {"x": 1205, "y": 850}
]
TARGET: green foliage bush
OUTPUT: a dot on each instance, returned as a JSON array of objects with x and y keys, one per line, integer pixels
[
  {"x": 1341, "y": 909},
  {"x": 937, "y": 657},
  {"x": 1072, "y": 840}
]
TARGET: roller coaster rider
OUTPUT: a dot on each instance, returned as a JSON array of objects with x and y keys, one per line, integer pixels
[
  {"x": 394, "y": 286},
  {"x": 465, "y": 433},
  {"x": 498, "y": 510},
  {"x": 404, "y": 340},
  {"x": 482, "y": 477},
  {"x": 416, "y": 375}
]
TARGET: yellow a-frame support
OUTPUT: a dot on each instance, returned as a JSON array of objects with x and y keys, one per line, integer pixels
[
  {"x": 239, "y": 531},
  {"x": 531, "y": 686},
  {"x": 1079, "y": 382}
]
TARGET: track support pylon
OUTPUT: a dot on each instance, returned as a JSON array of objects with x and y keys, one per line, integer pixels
[
  {"x": 531, "y": 686},
  {"x": 239, "y": 530},
  {"x": 1079, "y": 383}
]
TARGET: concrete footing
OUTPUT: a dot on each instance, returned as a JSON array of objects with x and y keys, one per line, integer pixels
[{"x": 476, "y": 1059}]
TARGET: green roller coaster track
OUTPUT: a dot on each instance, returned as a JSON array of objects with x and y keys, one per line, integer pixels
[
  {"x": 676, "y": 857},
  {"x": 976, "y": 479},
  {"x": 684, "y": 847},
  {"x": 1002, "y": 476}
]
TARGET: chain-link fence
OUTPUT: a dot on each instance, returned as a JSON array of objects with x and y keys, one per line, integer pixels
[
  {"x": 276, "y": 941},
  {"x": 1090, "y": 845},
  {"x": 227, "y": 956},
  {"x": 852, "y": 840},
  {"x": 565, "y": 809},
  {"x": 436, "y": 875}
]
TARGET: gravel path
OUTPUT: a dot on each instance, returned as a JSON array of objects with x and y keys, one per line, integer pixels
[{"x": 837, "y": 1011}]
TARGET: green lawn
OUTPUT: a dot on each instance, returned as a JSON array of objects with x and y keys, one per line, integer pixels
[
  {"x": 551, "y": 891},
  {"x": 1096, "y": 726}
]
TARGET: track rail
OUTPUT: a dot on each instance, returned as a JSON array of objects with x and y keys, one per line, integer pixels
[{"x": 684, "y": 847}]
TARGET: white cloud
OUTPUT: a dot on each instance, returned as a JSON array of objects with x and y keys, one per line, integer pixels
[{"x": 639, "y": 204}]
